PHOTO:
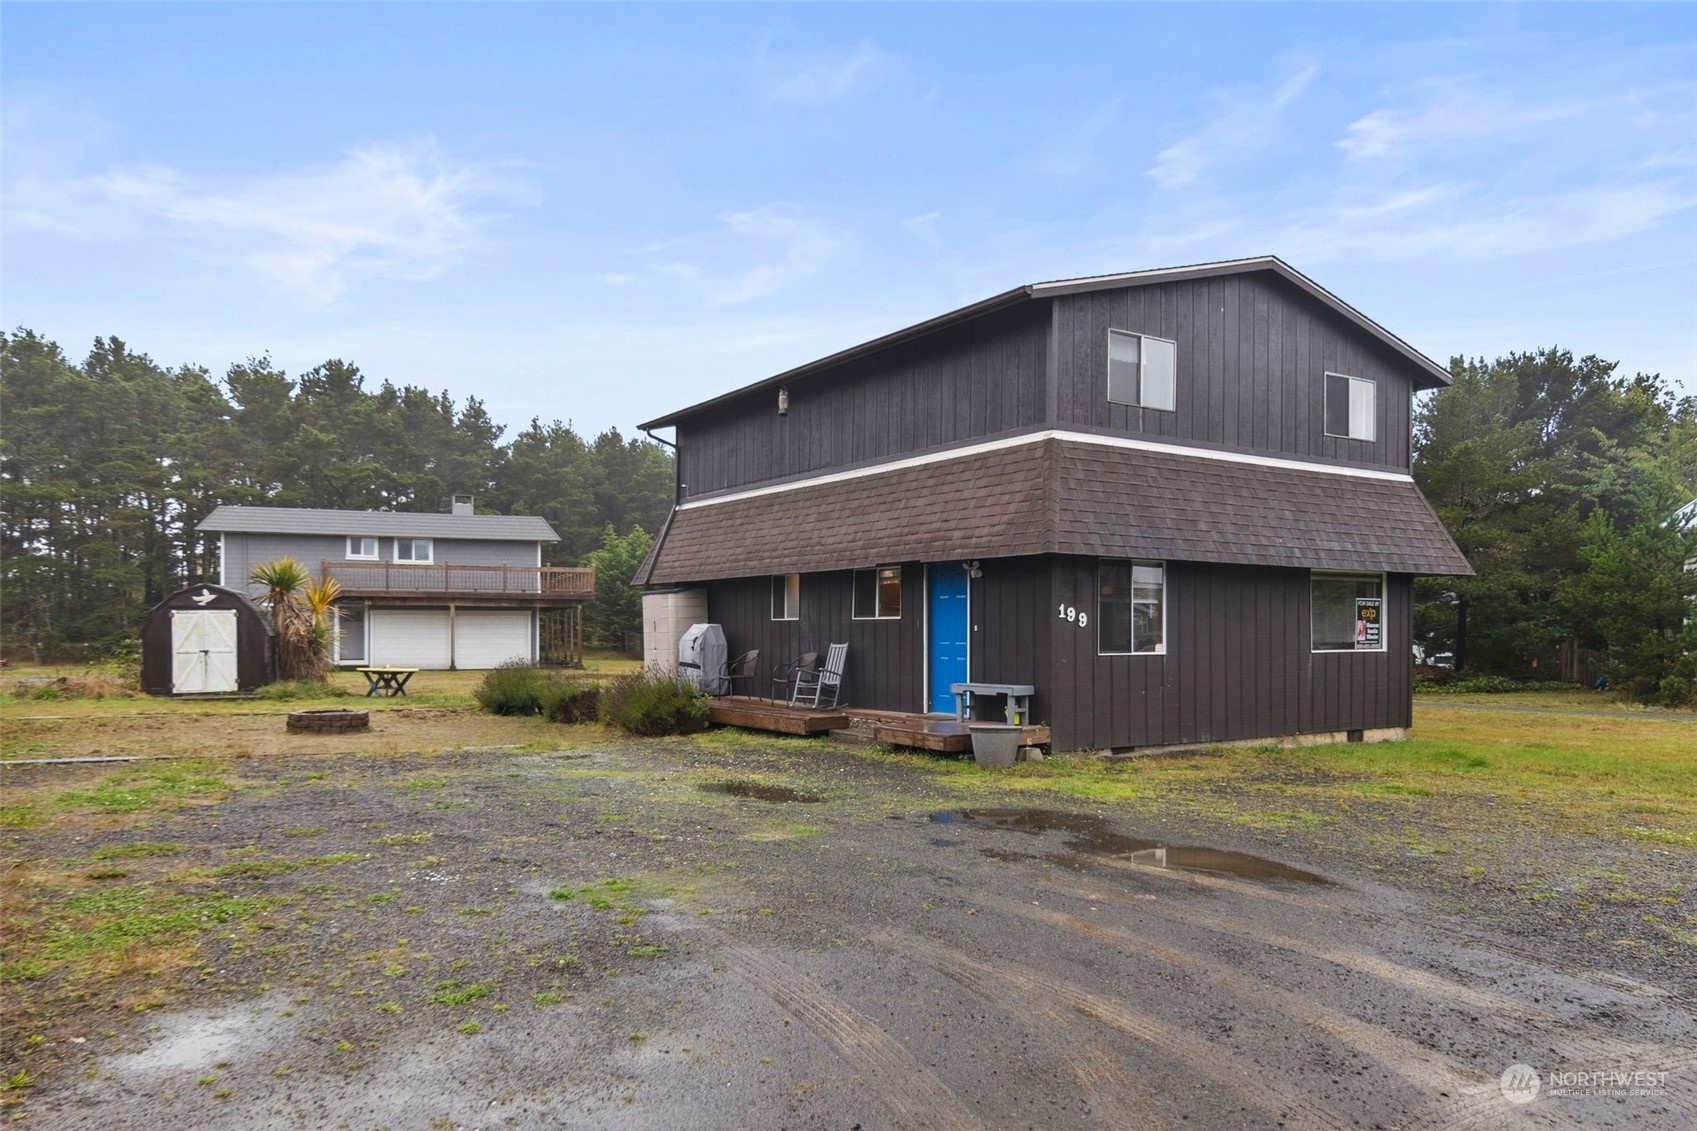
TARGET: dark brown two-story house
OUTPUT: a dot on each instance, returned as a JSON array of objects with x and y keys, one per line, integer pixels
[{"x": 1176, "y": 502}]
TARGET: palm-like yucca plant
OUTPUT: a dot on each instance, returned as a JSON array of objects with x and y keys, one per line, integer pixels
[{"x": 300, "y": 610}]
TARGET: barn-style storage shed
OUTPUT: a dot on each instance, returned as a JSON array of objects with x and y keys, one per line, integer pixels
[{"x": 206, "y": 640}]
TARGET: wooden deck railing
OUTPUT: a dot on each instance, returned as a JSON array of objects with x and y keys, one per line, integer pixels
[{"x": 448, "y": 578}]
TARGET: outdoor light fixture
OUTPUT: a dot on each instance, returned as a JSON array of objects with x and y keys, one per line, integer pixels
[
  {"x": 972, "y": 569},
  {"x": 783, "y": 400}
]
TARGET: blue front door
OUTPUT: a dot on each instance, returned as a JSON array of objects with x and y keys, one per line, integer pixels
[{"x": 947, "y": 620}]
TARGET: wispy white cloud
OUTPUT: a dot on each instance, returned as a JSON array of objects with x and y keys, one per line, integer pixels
[
  {"x": 381, "y": 211},
  {"x": 924, "y": 226},
  {"x": 1239, "y": 120},
  {"x": 1453, "y": 115},
  {"x": 814, "y": 78},
  {"x": 752, "y": 253},
  {"x": 1460, "y": 223}
]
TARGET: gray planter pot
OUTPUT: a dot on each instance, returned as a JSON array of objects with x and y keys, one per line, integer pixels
[{"x": 995, "y": 745}]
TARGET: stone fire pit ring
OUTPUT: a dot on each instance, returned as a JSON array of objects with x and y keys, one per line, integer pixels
[{"x": 329, "y": 720}]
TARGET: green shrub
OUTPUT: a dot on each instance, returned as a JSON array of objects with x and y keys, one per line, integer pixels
[
  {"x": 563, "y": 702},
  {"x": 1492, "y": 685},
  {"x": 514, "y": 688},
  {"x": 651, "y": 704}
]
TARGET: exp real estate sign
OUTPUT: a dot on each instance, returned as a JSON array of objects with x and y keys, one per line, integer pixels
[{"x": 1368, "y": 623}]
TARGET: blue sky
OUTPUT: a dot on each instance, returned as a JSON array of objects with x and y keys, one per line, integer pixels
[{"x": 600, "y": 213}]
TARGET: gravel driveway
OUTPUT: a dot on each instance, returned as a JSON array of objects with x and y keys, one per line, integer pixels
[{"x": 658, "y": 935}]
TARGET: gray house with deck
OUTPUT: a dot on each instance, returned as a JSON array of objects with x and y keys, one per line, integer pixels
[
  {"x": 1176, "y": 502},
  {"x": 431, "y": 591}
]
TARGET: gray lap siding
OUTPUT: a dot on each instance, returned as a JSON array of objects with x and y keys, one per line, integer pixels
[{"x": 243, "y": 551}]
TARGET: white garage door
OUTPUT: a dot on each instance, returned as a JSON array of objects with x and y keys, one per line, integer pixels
[
  {"x": 486, "y": 639},
  {"x": 409, "y": 638}
]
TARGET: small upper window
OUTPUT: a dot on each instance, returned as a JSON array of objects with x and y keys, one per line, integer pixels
[
  {"x": 786, "y": 596},
  {"x": 362, "y": 548},
  {"x": 412, "y": 549},
  {"x": 878, "y": 593},
  {"x": 1131, "y": 599},
  {"x": 1346, "y": 612},
  {"x": 1350, "y": 406},
  {"x": 1142, "y": 370}
]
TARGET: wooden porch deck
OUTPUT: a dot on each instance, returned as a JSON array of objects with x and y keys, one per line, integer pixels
[{"x": 894, "y": 728}]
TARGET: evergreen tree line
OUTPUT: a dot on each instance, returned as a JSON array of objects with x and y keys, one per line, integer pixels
[
  {"x": 1567, "y": 487},
  {"x": 106, "y": 468}
]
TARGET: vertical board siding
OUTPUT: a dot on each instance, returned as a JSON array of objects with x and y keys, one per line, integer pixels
[
  {"x": 885, "y": 657},
  {"x": 1237, "y": 664},
  {"x": 1010, "y": 634},
  {"x": 979, "y": 379},
  {"x": 1253, "y": 352}
]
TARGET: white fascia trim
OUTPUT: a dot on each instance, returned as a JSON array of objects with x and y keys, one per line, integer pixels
[{"x": 1123, "y": 442}]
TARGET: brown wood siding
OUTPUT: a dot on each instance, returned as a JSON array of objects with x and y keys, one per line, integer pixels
[
  {"x": 981, "y": 379},
  {"x": 885, "y": 657},
  {"x": 1237, "y": 664},
  {"x": 1253, "y": 352}
]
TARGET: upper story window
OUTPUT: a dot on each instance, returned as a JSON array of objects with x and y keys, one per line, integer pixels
[
  {"x": 1142, "y": 370},
  {"x": 786, "y": 596},
  {"x": 878, "y": 593},
  {"x": 413, "y": 550},
  {"x": 1350, "y": 406},
  {"x": 1131, "y": 607},
  {"x": 1346, "y": 612},
  {"x": 362, "y": 548}
]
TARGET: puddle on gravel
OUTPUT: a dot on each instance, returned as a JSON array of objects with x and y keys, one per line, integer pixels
[
  {"x": 775, "y": 793},
  {"x": 1093, "y": 836}
]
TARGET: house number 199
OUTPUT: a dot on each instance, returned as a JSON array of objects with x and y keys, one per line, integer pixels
[{"x": 1071, "y": 613}]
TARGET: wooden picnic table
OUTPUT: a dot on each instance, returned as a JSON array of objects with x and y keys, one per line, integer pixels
[
  {"x": 386, "y": 681},
  {"x": 1019, "y": 699}
]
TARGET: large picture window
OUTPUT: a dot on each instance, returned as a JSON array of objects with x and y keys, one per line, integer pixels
[
  {"x": 1346, "y": 612},
  {"x": 1131, "y": 607},
  {"x": 786, "y": 596},
  {"x": 1351, "y": 405},
  {"x": 878, "y": 593},
  {"x": 1142, "y": 370}
]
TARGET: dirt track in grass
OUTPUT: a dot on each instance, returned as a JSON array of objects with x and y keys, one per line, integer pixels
[{"x": 587, "y": 937}]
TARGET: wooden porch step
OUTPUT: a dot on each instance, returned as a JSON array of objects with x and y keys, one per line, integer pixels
[
  {"x": 779, "y": 718},
  {"x": 942, "y": 735}
]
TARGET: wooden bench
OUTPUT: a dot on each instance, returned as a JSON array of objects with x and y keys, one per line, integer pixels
[
  {"x": 388, "y": 682},
  {"x": 1019, "y": 699}
]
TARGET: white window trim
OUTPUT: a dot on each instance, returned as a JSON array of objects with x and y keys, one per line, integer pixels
[
  {"x": 1142, "y": 365},
  {"x": 795, "y": 615},
  {"x": 1372, "y": 420},
  {"x": 1162, "y": 650},
  {"x": 854, "y": 611},
  {"x": 376, "y": 549},
  {"x": 430, "y": 548},
  {"x": 1384, "y": 603}
]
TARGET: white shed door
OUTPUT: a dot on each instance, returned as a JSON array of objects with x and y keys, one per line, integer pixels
[
  {"x": 486, "y": 639},
  {"x": 203, "y": 651},
  {"x": 409, "y": 638}
]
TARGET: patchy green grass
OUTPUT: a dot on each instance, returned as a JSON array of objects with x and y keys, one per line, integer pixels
[
  {"x": 138, "y": 851},
  {"x": 147, "y": 788},
  {"x": 1618, "y": 774},
  {"x": 456, "y": 993}
]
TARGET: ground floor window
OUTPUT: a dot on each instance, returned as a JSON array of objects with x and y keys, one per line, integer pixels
[
  {"x": 786, "y": 596},
  {"x": 878, "y": 593},
  {"x": 1347, "y": 612},
  {"x": 1131, "y": 607}
]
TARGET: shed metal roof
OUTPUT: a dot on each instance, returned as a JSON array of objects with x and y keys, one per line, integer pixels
[
  {"x": 1436, "y": 375},
  {"x": 1065, "y": 496},
  {"x": 406, "y": 524}
]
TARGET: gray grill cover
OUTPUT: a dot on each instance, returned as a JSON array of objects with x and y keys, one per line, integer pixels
[{"x": 701, "y": 657}]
